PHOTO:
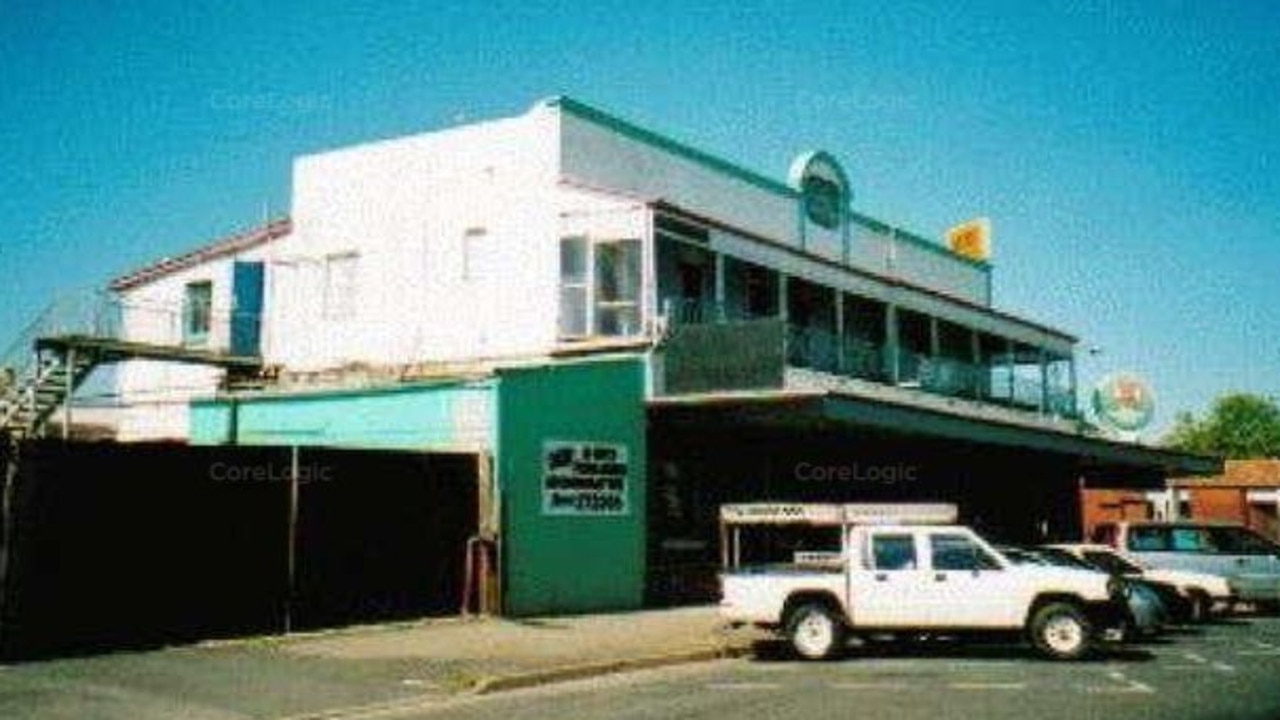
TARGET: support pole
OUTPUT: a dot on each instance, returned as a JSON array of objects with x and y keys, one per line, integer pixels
[
  {"x": 891, "y": 342},
  {"x": 292, "y": 557},
  {"x": 10, "y": 452},
  {"x": 70, "y": 385}
]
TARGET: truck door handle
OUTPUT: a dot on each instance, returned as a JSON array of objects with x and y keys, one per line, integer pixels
[
  {"x": 940, "y": 577},
  {"x": 881, "y": 577}
]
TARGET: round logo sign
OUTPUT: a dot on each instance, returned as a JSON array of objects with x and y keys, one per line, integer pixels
[
  {"x": 823, "y": 188},
  {"x": 1124, "y": 401}
]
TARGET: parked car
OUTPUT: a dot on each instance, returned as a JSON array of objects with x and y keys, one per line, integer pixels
[
  {"x": 1147, "y": 613},
  {"x": 1190, "y": 596},
  {"x": 1249, "y": 561},
  {"x": 903, "y": 569}
]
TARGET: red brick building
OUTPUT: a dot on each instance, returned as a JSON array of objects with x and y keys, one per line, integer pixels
[{"x": 1247, "y": 492}]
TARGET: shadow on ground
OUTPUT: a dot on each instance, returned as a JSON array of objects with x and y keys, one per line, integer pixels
[{"x": 777, "y": 651}]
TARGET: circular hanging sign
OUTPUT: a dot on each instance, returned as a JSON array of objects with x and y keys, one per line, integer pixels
[
  {"x": 1124, "y": 401},
  {"x": 823, "y": 188}
]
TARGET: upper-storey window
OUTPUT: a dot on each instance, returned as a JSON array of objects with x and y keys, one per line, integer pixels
[
  {"x": 197, "y": 312},
  {"x": 340, "y": 286},
  {"x": 599, "y": 287},
  {"x": 617, "y": 287}
]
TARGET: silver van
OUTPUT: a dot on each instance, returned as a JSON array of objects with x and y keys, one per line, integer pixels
[{"x": 1249, "y": 561}]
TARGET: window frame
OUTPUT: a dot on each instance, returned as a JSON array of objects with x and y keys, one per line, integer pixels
[
  {"x": 586, "y": 284},
  {"x": 197, "y": 315},
  {"x": 336, "y": 308}
]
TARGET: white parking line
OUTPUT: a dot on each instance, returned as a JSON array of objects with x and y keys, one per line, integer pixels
[
  {"x": 1193, "y": 657},
  {"x": 1223, "y": 667},
  {"x": 986, "y": 686},
  {"x": 868, "y": 686},
  {"x": 744, "y": 686},
  {"x": 982, "y": 664},
  {"x": 1126, "y": 686},
  {"x": 1259, "y": 653}
]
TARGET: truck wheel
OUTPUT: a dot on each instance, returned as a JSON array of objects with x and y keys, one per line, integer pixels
[
  {"x": 1060, "y": 631},
  {"x": 815, "y": 632}
]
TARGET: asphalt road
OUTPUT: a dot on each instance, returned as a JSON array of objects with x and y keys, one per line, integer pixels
[{"x": 1226, "y": 670}]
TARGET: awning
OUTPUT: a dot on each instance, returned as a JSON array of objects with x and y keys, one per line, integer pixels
[{"x": 831, "y": 410}]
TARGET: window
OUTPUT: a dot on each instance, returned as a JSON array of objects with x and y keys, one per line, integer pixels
[
  {"x": 599, "y": 287},
  {"x": 1190, "y": 539},
  {"x": 957, "y": 552},
  {"x": 340, "y": 286},
  {"x": 893, "y": 552},
  {"x": 1239, "y": 541},
  {"x": 617, "y": 288},
  {"x": 1149, "y": 539},
  {"x": 197, "y": 312},
  {"x": 573, "y": 286},
  {"x": 474, "y": 247}
]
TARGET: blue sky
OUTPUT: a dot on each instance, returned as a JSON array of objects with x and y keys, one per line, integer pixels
[{"x": 1128, "y": 153}]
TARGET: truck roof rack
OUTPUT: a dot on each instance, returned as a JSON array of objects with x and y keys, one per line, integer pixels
[{"x": 773, "y": 513}]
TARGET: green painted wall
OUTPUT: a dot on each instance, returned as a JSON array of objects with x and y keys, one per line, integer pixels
[
  {"x": 570, "y": 563},
  {"x": 406, "y": 417}
]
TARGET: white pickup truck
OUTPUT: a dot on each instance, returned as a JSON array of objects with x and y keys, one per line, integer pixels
[{"x": 870, "y": 569}]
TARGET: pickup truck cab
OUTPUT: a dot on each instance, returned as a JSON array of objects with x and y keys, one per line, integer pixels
[{"x": 895, "y": 568}]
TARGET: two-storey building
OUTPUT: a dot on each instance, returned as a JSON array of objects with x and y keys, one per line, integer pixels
[{"x": 631, "y": 331}]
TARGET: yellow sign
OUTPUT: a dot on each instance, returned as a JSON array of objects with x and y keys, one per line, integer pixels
[{"x": 971, "y": 239}]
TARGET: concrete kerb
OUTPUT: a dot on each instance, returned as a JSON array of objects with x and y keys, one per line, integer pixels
[
  {"x": 516, "y": 681},
  {"x": 564, "y": 673}
]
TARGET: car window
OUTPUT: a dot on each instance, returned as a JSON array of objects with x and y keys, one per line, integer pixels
[
  {"x": 1149, "y": 539},
  {"x": 1239, "y": 541},
  {"x": 1110, "y": 562},
  {"x": 958, "y": 552},
  {"x": 1192, "y": 539},
  {"x": 893, "y": 552}
]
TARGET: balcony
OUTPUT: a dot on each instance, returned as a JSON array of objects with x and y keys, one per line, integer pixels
[{"x": 706, "y": 350}]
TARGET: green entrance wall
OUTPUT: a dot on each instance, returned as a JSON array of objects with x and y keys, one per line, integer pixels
[{"x": 571, "y": 562}]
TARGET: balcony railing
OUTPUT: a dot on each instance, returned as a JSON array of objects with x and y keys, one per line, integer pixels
[
  {"x": 104, "y": 315},
  {"x": 825, "y": 351}
]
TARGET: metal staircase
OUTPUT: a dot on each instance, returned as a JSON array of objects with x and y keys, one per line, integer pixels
[
  {"x": 57, "y": 352},
  {"x": 27, "y": 404}
]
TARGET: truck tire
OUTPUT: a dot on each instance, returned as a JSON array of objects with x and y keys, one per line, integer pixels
[
  {"x": 1060, "y": 631},
  {"x": 815, "y": 632}
]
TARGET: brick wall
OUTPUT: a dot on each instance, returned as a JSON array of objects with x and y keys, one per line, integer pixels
[{"x": 1108, "y": 505}]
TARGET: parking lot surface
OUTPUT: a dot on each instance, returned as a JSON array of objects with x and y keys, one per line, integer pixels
[{"x": 1227, "y": 669}]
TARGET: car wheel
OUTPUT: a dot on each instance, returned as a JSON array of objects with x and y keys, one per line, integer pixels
[
  {"x": 815, "y": 632},
  {"x": 1060, "y": 631}
]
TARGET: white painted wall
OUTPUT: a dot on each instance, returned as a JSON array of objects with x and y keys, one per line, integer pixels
[
  {"x": 154, "y": 395},
  {"x": 405, "y": 206},
  {"x": 423, "y": 292}
]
